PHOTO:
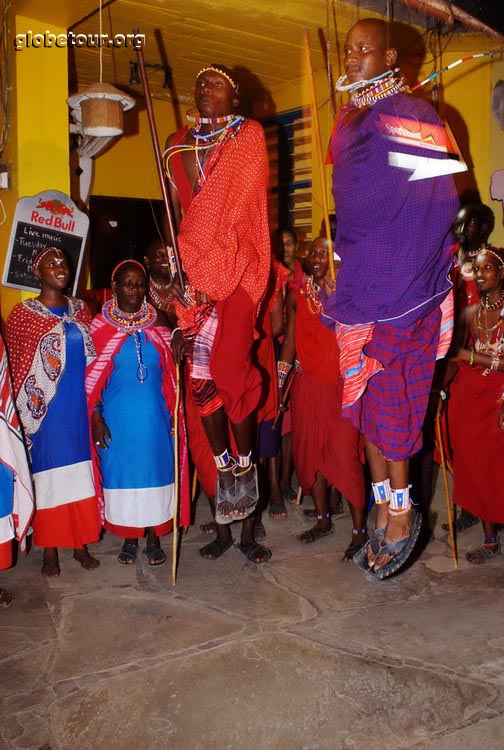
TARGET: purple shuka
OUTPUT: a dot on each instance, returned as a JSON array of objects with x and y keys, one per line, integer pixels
[{"x": 394, "y": 239}]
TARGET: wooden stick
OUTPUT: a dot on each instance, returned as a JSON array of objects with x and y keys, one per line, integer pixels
[
  {"x": 194, "y": 485},
  {"x": 318, "y": 142},
  {"x": 439, "y": 439},
  {"x": 176, "y": 483},
  {"x": 299, "y": 495},
  {"x": 285, "y": 397},
  {"x": 157, "y": 156}
]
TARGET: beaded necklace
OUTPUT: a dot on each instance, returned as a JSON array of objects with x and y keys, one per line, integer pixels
[
  {"x": 483, "y": 343},
  {"x": 207, "y": 120},
  {"x": 137, "y": 321},
  {"x": 494, "y": 305},
  {"x": 158, "y": 294},
  {"x": 219, "y": 138},
  {"x": 387, "y": 86},
  {"x": 132, "y": 324},
  {"x": 310, "y": 290}
]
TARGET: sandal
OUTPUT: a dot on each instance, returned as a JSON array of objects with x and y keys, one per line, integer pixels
[
  {"x": 128, "y": 554},
  {"x": 464, "y": 521},
  {"x": 6, "y": 599},
  {"x": 483, "y": 554},
  {"x": 155, "y": 555},
  {"x": 359, "y": 539},
  {"x": 250, "y": 550},
  {"x": 290, "y": 496},
  {"x": 215, "y": 549},
  {"x": 314, "y": 534},
  {"x": 277, "y": 511},
  {"x": 247, "y": 489},
  {"x": 259, "y": 531},
  {"x": 398, "y": 551},
  {"x": 360, "y": 557}
]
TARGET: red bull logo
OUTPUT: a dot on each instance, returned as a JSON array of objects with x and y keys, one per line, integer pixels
[
  {"x": 56, "y": 207},
  {"x": 57, "y": 211}
]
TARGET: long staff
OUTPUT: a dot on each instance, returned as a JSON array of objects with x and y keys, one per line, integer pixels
[
  {"x": 176, "y": 482},
  {"x": 439, "y": 439},
  {"x": 284, "y": 401},
  {"x": 157, "y": 156},
  {"x": 318, "y": 142}
]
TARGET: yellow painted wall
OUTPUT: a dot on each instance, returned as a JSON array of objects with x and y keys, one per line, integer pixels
[
  {"x": 38, "y": 147},
  {"x": 128, "y": 169},
  {"x": 497, "y": 161}
]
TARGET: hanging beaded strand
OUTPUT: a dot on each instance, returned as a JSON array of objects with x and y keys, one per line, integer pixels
[
  {"x": 142, "y": 370},
  {"x": 310, "y": 290}
]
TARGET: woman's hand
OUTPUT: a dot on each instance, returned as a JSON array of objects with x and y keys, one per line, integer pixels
[{"x": 100, "y": 431}]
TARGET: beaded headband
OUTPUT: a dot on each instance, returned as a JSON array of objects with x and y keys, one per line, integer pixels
[
  {"x": 123, "y": 263},
  {"x": 215, "y": 69},
  {"x": 488, "y": 251},
  {"x": 45, "y": 251}
]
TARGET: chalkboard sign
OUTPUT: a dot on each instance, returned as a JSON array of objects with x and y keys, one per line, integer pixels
[{"x": 49, "y": 219}]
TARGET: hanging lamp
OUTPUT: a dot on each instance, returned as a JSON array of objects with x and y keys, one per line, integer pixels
[{"x": 98, "y": 109}]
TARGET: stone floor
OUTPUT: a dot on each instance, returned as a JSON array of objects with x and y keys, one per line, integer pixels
[{"x": 303, "y": 652}]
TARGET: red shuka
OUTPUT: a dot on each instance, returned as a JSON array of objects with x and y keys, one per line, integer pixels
[{"x": 322, "y": 440}]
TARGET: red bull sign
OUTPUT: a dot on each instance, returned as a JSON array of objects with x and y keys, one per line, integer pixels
[{"x": 50, "y": 219}]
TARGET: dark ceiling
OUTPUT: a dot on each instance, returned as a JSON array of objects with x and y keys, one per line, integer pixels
[{"x": 489, "y": 12}]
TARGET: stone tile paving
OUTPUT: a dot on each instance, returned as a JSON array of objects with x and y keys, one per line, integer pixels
[{"x": 305, "y": 652}]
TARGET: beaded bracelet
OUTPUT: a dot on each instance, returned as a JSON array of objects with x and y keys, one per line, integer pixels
[
  {"x": 283, "y": 369},
  {"x": 495, "y": 362},
  {"x": 98, "y": 407},
  {"x": 471, "y": 358}
]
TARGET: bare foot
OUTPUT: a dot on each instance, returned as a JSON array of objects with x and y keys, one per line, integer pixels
[
  {"x": 246, "y": 491},
  {"x": 85, "y": 559},
  {"x": 376, "y": 542},
  {"x": 226, "y": 488},
  {"x": 50, "y": 563},
  {"x": 6, "y": 599},
  {"x": 398, "y": 527}
]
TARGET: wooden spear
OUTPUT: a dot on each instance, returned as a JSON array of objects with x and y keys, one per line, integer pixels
[
  {"x": 318, "y": 142},
  {"x": 176, "y": 482},
  {"x": 439, "y": 439},
  {"x": 157, "y": 156}
]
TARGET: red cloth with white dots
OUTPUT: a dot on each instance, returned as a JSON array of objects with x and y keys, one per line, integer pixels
[{"x": 224, "y": 246}]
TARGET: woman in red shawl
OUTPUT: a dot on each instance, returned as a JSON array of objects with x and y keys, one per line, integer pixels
[{"x": 475, "y": 413}]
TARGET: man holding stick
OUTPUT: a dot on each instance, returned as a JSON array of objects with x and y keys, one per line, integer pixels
[{"x": 218, "y": 172}]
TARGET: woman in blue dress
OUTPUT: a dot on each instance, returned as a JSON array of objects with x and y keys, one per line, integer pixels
[
  {"x": 131, "y": 394},
  {"x": 49, "y": 345}
]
